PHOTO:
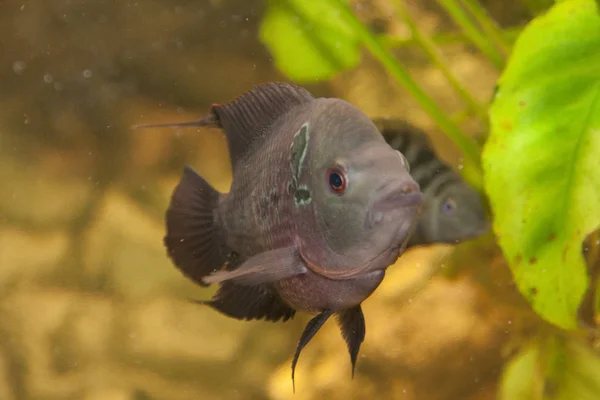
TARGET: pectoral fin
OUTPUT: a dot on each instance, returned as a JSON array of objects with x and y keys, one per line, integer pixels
[
  {"x": 269, "y": 266},
  {"x": 352, "y": 324}
]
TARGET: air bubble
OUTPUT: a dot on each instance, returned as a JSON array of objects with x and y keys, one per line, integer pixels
[{"x": 19, "y": 67}]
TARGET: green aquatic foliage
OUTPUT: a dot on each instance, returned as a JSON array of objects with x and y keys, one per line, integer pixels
[
  {"x": 542, "y": 160},
  {"x": 484, "y": 40},
  {"x": 555, "y": 368},
  {"x": 309, "y": 39},
  {"x": 315, "y": 39}
]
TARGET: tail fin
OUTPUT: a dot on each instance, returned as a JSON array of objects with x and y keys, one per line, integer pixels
[{"x": 194, "y": 241}]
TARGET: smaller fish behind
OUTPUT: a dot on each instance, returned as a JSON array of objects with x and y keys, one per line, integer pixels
[{"x": 452, "y": 211}]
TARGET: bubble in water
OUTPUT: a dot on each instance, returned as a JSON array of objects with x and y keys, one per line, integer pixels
[
  {"x": 87, "y": 73},
  {"x": 19, "y": 67},
  {"x": 48, "y": 78}
]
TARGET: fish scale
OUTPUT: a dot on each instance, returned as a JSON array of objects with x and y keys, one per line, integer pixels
[{"x": 249, "y": 232}]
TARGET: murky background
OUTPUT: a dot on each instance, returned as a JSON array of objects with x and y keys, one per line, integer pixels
[{"x": 90, "y": 305}]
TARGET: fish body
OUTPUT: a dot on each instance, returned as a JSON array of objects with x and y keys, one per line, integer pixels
[
  {"x": 452, "y": 212},
  {"x": 319, "y": 206}
]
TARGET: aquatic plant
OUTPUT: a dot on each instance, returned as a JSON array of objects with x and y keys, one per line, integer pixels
[{"x": 540, "y": 164}]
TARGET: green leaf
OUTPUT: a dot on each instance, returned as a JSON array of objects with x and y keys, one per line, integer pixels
[
  {"x": 521, "y": 378},
  {"x": 308, "y": 39},
  {"x": 542, "y": 160},
  {"x": 554, "y": 369}
]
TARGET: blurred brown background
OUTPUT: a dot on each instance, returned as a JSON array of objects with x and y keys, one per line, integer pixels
[{"x": 91, "y": 307}]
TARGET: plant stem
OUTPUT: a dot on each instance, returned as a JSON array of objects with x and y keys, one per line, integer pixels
[
  {"x": 429, "y": 47},
  {"x": 471, "y": 31},
  {"x": 489, "y": 25},
  {"x": 391, "y": 41},
  {"x": 471, "y": 166}
]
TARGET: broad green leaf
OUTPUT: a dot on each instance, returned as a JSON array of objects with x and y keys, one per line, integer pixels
[
  {"x": 522, "y": 379},
  {"x": 542, "y": 160},
  {"x": 308, "y": 39},
  {"x": 554, "y": 369}
]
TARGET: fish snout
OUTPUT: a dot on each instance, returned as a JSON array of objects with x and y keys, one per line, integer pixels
[
  {"x": 394, "y": 200},
  {"x": 407, "y": 194}
]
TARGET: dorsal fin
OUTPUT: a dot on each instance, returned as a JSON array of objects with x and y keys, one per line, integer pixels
[{"x": 246, "y": 118}]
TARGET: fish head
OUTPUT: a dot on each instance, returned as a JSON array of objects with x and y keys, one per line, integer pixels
[
  {"x": 363, "y": 202},
  {"x": 454, "y": 214}
]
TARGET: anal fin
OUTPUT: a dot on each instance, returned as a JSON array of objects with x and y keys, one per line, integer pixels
[
  {"x": 250, "y": 302},
  {"x": 352, "y": 324},
  {"x": 311, "y": 329},
  {"x": 193, "y": 240},
  {"x": 269, "y": 266}
]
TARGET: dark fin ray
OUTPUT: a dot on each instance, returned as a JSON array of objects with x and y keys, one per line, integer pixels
[
  {"x": 207, "y": 120},
  {"x": 250, "y": 302},
  {"x": 311, "y": 329},
  {"x": 352, "y": 324},
  {"x": 246, "y": 119},
  {"x": 193, "y": 241},
  {"x": 269, "y": 266}
]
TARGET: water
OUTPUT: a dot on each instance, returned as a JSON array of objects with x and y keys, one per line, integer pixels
[{"x": 91, "y": 307}]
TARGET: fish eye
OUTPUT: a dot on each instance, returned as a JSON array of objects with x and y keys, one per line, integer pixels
[
  {"x": 337, "y": 180},
  {"x": 404, "y": 161},
  {"x": 449, "y": 205}
]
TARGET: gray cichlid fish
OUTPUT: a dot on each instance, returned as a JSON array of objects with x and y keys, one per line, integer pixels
[
  {"x": 452, "y": 212},
  {"x": 319, "y": 206}
]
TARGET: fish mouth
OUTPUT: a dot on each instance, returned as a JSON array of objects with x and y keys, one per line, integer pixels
[
  {"x": 394, "y": 199},
  {"x": 394, "y": 196},
  {"x": 398, "y": 200}
]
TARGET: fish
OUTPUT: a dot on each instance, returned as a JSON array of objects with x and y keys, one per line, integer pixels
[
  {"x": 319, "y": 206},
  {"x": 452, "y": 212}
]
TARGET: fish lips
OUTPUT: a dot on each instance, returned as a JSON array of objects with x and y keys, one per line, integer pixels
[{"x": 404, "y": 199}]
